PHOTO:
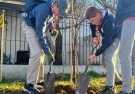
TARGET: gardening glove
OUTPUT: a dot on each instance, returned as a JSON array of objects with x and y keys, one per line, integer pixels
[{"x": 51, "y": 58}]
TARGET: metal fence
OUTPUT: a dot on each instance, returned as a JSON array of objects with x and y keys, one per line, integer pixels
[{"x": 16, "y": 47}]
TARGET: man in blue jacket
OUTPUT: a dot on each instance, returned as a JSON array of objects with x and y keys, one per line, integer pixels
[
  {"x": 110, "y": 42},
  {"x": 125, "y": 19},
  {"x": 39, "y": 15}
]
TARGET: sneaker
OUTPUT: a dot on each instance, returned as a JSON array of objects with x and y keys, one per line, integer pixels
[
  {"x": 29, "y": 88},
  {"x": 124, "y": 93},
  {"x": 40, "y": 85},
  {"x": 118, "y": 83},
  {"x": 108, "y": 90}
]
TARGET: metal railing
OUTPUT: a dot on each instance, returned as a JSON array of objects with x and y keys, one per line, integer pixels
[{"x": 15, "y": 41}]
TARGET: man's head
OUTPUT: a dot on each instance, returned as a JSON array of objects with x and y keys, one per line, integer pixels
[
  {"x": 60, "y": 7},
  {"x": 94, "y": 15}
]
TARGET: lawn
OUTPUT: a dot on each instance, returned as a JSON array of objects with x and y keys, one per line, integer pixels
[{"x": 62, "y": 85}]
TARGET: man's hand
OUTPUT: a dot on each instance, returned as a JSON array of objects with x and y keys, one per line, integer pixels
[
  {"x": 91, "y": 58},
  {"x": 95, "y": 41},
  {"x": 55, "y": 20},
  {"x": 51, "y": 58},
  {"x": 54, "y": 33},
  {"x": 53, "y": 29}
]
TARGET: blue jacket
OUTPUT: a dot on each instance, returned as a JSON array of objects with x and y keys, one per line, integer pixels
[
  {"x": 108, "y": 32},
  {"x": 125, "y": 9},
  {"x": 39, "y": 14}
]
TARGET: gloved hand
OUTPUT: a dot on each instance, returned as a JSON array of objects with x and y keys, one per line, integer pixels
[{"x": 51, "y": 58}]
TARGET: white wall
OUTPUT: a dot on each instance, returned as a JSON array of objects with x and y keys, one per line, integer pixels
[{"x": 19, "y": 72}]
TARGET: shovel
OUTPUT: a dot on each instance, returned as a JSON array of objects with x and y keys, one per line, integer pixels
[
  {"x": 83, "y": 79},
  {"x": 50, "y": 81}
]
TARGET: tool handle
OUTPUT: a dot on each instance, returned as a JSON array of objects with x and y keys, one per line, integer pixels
[
  {"x": 87, "y": 65},
  {"x": 86, "y": 68},
  {"x": 50, "y": 68}
]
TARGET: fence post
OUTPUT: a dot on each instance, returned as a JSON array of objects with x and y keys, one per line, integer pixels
[{"x": 2, "y": 37}]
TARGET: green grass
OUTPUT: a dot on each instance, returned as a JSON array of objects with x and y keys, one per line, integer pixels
[
  {"x": 66, "y": 77},
  {"x": 16, "y": 87},
  {"x": 11, "y": 87},
  {"x": 96, "y": 84}
]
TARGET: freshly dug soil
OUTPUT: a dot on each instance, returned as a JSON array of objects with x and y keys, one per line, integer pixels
[{"x": 69, "y": 90}]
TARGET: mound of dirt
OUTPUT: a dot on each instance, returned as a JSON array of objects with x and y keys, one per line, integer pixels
[{"x": 60, "y": 89}]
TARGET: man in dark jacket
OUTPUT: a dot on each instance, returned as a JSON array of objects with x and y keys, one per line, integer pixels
[
  {"x": 39, "y": 15},
  {"x": 95, "y": 41},
  {"x": 125, "y": 19},
  {"x": 110, "y": 42}
]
